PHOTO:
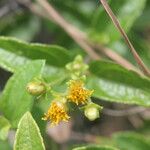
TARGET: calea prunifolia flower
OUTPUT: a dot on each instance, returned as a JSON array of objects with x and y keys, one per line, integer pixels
[
  {"x": 77, "y": 93},
  {"x": 56, "y": 113}
]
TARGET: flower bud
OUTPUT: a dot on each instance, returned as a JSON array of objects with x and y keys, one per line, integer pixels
[
  {"x": 36, "y": 88},
  {"x": 92, "y": 111},
  {"x": 77, "y": 67}
]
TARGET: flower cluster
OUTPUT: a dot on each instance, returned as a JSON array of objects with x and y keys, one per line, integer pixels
[{"x": 76, "y": 93}]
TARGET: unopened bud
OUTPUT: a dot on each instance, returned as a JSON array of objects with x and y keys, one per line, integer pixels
[
  {"x": 77, "y": 67},
  {"x": 92, "y": 111},
  {"x": 36, "y": 88}
]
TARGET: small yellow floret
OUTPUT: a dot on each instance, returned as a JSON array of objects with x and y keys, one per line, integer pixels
[
  {"x": 56, "y": 113},
  {"x": 77, "y": 93}
]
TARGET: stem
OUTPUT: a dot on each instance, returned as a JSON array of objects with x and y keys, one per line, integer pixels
[
  {"x": 120, "y": 29},
  {"x": 73, "y": 32},
  {"x": 81, "y": 37},
  {"x": 117, "y": 58}
]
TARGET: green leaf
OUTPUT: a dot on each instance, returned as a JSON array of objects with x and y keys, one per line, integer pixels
[
  {"x": 95, "y": 147},
  {"x": 131, "y": 141},
  {"x": 14, "y": 53},
  {"x": 111, "y": 82},
  {"x": 4, "y": 128},
  {"x": 127, "y": 11},
  {"x": 15, "y": 100},
  {"x": 28, "y": 136}
]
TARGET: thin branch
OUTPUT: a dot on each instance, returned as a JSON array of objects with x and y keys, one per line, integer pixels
[
  {"x": 117, "y": 58},
  {"x": 120, "y": 29},
  {"x": 51, "y": 14},
  {"x": 78, "y": 36},
  {"x": 127, "y": 112},
  {"x": 74, "y": 33}
]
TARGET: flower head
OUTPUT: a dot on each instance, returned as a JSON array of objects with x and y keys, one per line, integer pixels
[
  {"x": 77, "y": 93},
  {"x": 56, "y": 113}
]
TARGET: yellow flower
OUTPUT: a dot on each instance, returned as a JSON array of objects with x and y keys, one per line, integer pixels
[
  {"x": 77, "y": 93},
  {"x": 56, "y": 113}
]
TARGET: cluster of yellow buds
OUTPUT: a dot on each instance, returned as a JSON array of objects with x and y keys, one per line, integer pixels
[{"x": 76, "y": 93}]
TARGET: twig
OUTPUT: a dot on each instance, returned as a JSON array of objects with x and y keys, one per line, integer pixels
[
  {"x": 80, "y": 36},
  {"x": 127, "y": 112},
  {"x": 52, "y": 14},
  {"x": 117, "y": 58},
  {"x": 120, "y": 29},
  {"x": 76, "y": 34}
]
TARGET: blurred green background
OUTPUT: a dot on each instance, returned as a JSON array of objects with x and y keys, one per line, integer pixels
[{"x": 16, "y": 20}]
